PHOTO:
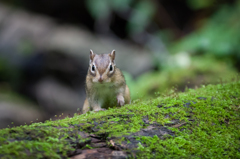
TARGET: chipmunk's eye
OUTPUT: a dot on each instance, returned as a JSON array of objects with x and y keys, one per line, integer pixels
[
  {"x": 93, "y": 68},
  {"x": 110, "y": 68}
]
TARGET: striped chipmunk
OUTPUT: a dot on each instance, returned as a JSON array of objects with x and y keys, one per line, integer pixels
[{"x": 105, "y": 84}]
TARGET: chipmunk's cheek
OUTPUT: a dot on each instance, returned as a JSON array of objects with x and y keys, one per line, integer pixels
[
  {"x": 108, "y": 80},
  {"x": 95, "y": 80}
]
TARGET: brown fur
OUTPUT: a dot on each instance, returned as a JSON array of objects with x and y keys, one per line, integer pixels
[
  {"x": 113, "y": 85},
  {"x": 102, "y": 62},
  {"x": 127, "y": 96}
]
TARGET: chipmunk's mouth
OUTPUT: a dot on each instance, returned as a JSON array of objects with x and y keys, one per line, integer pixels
[
  {"x": 98, "y": 82},
  {"x": 101, "y": 81}
]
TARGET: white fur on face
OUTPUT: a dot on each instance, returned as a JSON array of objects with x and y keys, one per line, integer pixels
[
  {"x": 96, "y": 78},
  {"x": 95, "y": 69},
  {"x": 113, "y": 67},
  {"x": 105, "y": 73}
]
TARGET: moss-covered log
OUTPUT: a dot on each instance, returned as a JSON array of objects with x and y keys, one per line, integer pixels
[{"x": 202, "y": 123}]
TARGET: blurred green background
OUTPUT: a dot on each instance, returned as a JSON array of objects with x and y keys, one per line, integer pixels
[{"x": 163, "y": 46}]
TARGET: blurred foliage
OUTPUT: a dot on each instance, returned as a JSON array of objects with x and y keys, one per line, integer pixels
[
  {"x": 220, "y": 36},
  {"x": 199, "y": 4},
  {"x": 140, "y": 17},
  {"x": 202, "y": 70},
  {"x": 8, "y": 73},
  {"x": 105, "y": 7},
  {"x": 96, "y": 7}
]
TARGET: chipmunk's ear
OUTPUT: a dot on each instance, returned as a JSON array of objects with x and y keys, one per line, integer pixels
[
  {"x": 91, "y": 55},
  {"x": 112, "y": 56}
]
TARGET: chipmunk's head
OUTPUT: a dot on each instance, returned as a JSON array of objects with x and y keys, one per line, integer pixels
[{"x": 102, "y": 67}]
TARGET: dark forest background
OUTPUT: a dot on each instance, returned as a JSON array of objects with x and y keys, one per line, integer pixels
[{"x": 163, "y": 46}]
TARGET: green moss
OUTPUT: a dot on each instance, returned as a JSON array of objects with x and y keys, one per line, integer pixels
[
  {"x": 209, "y": 127},
  {"x": 214, "y": 133}
]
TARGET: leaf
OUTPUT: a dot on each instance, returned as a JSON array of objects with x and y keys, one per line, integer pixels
[{"x": 99, "y": 9}]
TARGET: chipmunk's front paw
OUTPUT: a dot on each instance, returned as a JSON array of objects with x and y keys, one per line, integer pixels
[
  {"x": 120, "y": 100},
  {"x": 100, "y": 109}
]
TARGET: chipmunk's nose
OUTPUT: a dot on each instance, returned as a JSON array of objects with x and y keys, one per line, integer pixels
[{"x": 100, "y": 79}]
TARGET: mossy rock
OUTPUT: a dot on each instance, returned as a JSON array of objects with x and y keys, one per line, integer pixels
[{"x": 202, "y": 123}]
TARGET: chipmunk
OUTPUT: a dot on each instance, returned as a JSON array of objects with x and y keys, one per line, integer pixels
[{"x": 105, "y": 84}]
